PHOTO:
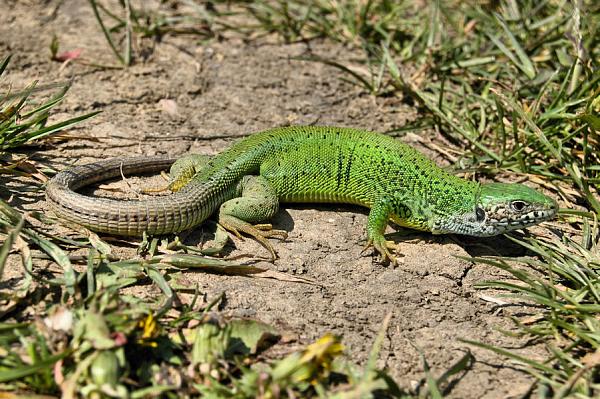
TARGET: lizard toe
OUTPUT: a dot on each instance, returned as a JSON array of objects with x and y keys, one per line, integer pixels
[
  {"x": 387, "y": 249},
  {"x": 259, "y": 232}
]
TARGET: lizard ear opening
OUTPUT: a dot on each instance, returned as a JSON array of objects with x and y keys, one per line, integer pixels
[{"x": 480, "y": 213}]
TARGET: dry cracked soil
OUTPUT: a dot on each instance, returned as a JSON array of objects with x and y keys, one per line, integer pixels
[{"x": 185, "y": 95}]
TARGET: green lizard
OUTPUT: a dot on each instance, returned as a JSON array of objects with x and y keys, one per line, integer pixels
[{"x": 246, "y": 183}]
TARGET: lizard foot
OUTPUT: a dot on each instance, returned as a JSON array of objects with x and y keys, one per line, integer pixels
[
  {"x": 260, "y": 232},
  {"x": 385, "y": 248},
  {"x": 150, "y": 190}
]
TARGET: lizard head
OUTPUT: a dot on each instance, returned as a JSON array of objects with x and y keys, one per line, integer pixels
[{"x": 500, "y": 207}]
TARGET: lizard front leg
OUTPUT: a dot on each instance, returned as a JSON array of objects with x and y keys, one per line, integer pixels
[
  {"x": 257, "y": 203},
  {"x": 379, "y": 217}
]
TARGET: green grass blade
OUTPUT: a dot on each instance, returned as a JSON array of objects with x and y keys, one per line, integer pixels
[
  {"x": 106, "y": 32},
  {"x": 24, "y": 371},
  {"x": 4, "y": 63},
  {"x": 361, "y": 79},
  {"x": 511, "y": 355},
  {"x": 463, "y": 364},
  {"x": 48, "y": 130},
  {"x": 128, "y": 33},
  {"x": 8, "y": 243},
  {"x": 524, "y": 62},
  {"x": 374, "y": 354},
  {"x": 532, "y": 125}
]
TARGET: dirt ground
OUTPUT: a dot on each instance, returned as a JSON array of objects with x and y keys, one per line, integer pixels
[{"x": 232, "y": 87}]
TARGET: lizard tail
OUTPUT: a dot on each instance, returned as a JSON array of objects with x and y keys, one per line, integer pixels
[{"x": 165, "y": 214}]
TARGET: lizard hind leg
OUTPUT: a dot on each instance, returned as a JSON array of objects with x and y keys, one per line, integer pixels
[
  {"x": 184, "y": 169},
  {"x": 181, "y": 172},
  {"x": 258, "y": 202}
]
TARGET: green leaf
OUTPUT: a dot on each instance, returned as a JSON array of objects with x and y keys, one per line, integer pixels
[
  {"x": 211, "y": 343},
  {"x": 97, "y": 243},
  {"x": 208, "y": 264},
  {"x": 96, "y": 330},
  {"x": 252, "y": 333},
  {"x": 159, "y": 279}
]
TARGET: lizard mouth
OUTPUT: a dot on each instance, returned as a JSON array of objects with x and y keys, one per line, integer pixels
[
  {"x": 502, "y": 221},
  {"x": 525, "y": 219},
  {"x": 496, "y": 220}
]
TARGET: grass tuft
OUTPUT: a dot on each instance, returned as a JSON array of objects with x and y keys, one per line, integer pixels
[
  {"x": 563, "y": 282},
  {"x": 23, "y": 121}
]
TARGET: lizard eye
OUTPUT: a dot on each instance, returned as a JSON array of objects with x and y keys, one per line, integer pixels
[
  {"x": 518, "y": 206},
  {"x": 480, "y": 213}
]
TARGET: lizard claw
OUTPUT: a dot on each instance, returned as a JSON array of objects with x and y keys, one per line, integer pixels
[
  {"x": 385, "y": 248},
  {"x": 368, "y": 245},
  {"x": 233, "y": 230},
  {"x": 259, "y": 232}
]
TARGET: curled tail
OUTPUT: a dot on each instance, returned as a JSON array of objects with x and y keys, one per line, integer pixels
[{"x": 161, "y": 215}]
